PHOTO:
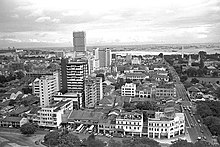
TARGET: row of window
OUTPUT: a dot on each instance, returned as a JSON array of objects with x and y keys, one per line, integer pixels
[
  {"x": 128, "y": 123},
  {"x": 127, "y": 127}
]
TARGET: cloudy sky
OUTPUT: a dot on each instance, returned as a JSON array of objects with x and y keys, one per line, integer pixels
[{"x": 27, "y": 23}]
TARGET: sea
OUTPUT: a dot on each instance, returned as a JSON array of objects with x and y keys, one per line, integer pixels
[{"x": 149, "y": 49}]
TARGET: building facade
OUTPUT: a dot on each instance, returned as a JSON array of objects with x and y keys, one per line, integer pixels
[
  {"x": 166, "y": 125},
  {"x": 130, "y": 123},
  {"x": 129, "y": 89},
  {"x": 79, "y": 43}
]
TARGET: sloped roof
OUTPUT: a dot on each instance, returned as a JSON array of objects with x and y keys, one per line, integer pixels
[
  {"x": 11, "y": 119},
  {"x": 20, "y": 110},
  {"x": 84, "y": 115},
  {"x": 193, "y": 89}
]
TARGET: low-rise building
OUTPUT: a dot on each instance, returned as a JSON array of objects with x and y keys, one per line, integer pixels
[
  {"x": 10, "y": 121},
  {"x": 165, "y": 90},
  {"x": 166, "y": 124},
  {"x": 136, "y": 76},
  {"x": 143, "y": 91},
  {"x": 129, "y": 123},
  {"x": 51, "y": 116},
  {"x": 128, "y": 89}
]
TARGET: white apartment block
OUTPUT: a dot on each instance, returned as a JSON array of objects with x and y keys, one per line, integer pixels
[
  {"x": 128, "y": 89},
  {"x": 47, "y": 86},
  {"x": 51, "y": 116},
  {"x": 130, "y": 123},
  {"x": 90, "y": 93},
  {"x": 166, "y": 124},
  {"x": 36, "y": 83}
]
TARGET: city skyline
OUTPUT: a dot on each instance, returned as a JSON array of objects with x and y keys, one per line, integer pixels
[{"x": 29, "y": 23}]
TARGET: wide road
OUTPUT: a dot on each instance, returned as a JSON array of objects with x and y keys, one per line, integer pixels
[
  {"x": 12, "y": 138},
  {"x": 193, "y": 122}
]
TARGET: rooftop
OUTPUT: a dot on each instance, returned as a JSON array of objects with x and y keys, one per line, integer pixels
[{"x": 85, "y": 115}]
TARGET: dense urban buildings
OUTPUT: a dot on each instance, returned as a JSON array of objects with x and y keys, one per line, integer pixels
[{"x": 103, "y": 92}]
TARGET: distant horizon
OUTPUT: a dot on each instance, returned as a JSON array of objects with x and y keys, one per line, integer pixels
[{"x": 127, "y": 44}]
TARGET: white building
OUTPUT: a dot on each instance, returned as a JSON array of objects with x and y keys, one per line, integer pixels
[
  {"x": 136, "y": 61},
  {"x": 90, "y": 92},
  {"x": 130, "y": 123},
  {"x": 51, "y": 116},
  {"x": 128, "y": 89},
  {"x": 166, "y": 124},
  {"x": 47, "y": 88},
  {"x": 36, "y": 83},
  {"x": 105, "y": 58},
  {"x": 76, "y": 98}
]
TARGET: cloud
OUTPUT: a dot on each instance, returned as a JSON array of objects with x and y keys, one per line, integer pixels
[
  {"x": 112, "y": 21},
  {"x": 42, "y": 19}
]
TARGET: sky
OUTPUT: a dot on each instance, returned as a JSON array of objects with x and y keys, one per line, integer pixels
[{"x": 39, "y": 23}]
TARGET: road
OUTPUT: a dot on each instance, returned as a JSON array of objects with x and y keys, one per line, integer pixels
[
  {"x": 13, "y": 138},
  {"x": 193, "y": 122}
]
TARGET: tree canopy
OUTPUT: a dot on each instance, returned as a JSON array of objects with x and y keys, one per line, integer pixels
[{"x": 28, "y": 128}]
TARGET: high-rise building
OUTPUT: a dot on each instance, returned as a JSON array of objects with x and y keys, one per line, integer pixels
[
  {"x": 47, "y": 88},
  {"x": 96, "y": 58},
  {"x": 74, "y": 74},
  {"x": 90, "y": 92},
  {"x": 105, "y": 57},
  {"x": 79, "y": 43},
  {"x": 99, "y": 89}
]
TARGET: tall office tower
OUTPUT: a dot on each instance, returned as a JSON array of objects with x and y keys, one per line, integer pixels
[
  {"x": 79, "y": 43},
  {"x": 74, "y": 74},
  {"x": 96, "y": 57},
  {"x": 99, "y": 89},
  {"x": 105, "y": 57},
  {"x": 90, "y": 92},
  {"x": 47, "y": 88}
]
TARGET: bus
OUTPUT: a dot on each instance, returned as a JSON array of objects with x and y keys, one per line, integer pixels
[
  {"x": 91, "y": 128},
  {"x": 79, "y": 128}
]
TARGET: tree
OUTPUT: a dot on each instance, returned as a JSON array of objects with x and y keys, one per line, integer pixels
[
  {"x": 183, "y": 78},
  {"x": 194, "y": 80},
  {"x": 69, "y": 140},
  {"x": 28, "y": 129},
  {"x": 203, "y": 110},
  {"x": 91, "y": 141},
  {"x": 12, "y": 103},
  {"x": 113, "y": 143},
  {"x": 2, "y": 79},
  {"x": 19, "y": 74},
  {"x": 26, "y": 90},
  {"x": 215, "y": 74},
  {"x": 52, "y": 138},
  {"x": 161, "y": 55}
]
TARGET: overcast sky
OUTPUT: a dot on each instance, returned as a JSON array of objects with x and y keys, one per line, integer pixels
[{"x": 26, "y": 23}]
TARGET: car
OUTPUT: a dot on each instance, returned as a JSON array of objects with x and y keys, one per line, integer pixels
[
  {"x": 199, "y": 138},
  {"x": 204, "y": 137},
  {"x": 201, "y": 131},
  {"x": 198, "y": 121}
]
